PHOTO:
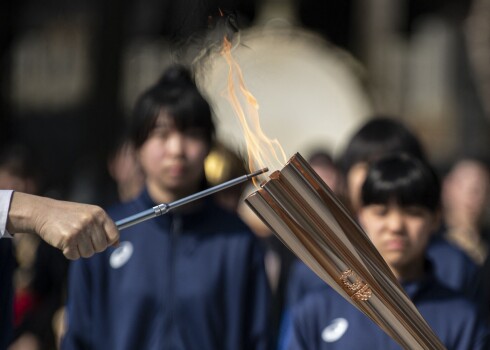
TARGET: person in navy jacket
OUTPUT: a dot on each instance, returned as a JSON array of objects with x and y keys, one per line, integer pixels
[
  {"x": 191, "y": 279},
  {"x": 381, "y": 136},
  {"x": 399, "y": 210},
  {"x": 378, "y": 137}
]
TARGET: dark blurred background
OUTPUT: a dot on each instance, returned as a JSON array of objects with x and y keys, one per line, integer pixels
[{"x": 70, "y": 70}]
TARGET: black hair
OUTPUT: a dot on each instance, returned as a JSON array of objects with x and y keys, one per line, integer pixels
[
  {"x": 177, "y": 94},
  {"x": 378, "y": 137},
  {"x": 404, "y": 179}
]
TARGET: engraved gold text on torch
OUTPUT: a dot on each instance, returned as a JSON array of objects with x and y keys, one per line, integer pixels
[{"x": 358, "y": 290}]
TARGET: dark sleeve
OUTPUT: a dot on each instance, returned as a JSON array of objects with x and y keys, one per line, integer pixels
[
  {"x": 302, "y": 281},
  {"x": 293, "y": 336},
  {"x": 285, "y": 330},
  {"x": 248, "y": 296},
  {"x": 78, "y": 310},
  {"x": 460, "y": 324},
  {"x": 485, "y": 275},
  {"x": 294, "y": 292},
  {"x": 294, "y": 287},
  {"x": 475, "y": 334},
  {"x": 454, "y": 268}
]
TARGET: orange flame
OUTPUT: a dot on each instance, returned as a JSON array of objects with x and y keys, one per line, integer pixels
[{"x": 262, "y": 151}]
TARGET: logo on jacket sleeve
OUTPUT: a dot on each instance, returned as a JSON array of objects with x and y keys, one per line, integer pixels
[
  {"x": 121, "y": 254},
  {"x": 335, "y": 330}
]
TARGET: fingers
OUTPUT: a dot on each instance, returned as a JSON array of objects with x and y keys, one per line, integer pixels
[
  {"x": 90, "y": 233},
  {"x": 98, "y": 239},
  {"x": 85, "y": 246},
  {"x": 71, "y": 253},
  {"x": 79, "y": 246},
  {"x": 111, "y": 231}
]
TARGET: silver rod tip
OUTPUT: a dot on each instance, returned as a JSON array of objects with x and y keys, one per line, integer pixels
[{"x": 258, "y": 172}]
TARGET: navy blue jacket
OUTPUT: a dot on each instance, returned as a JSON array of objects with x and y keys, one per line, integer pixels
[
  {"x": 450, "y": 265},
  {"x": 454, "y": 268},
  {"x": 193, "y": 281},
  {"x": 325, "y": 320}
]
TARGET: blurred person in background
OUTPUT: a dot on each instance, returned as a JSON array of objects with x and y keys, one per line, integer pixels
[
  {"x": 193, "y": 278},
  {"x": 125, "y": 170},
  {"x": 322, "y": 162},
  {"x": 18, "y": 170},
  {"x": 75, "y": 229},
  {"x": 465, "y": 195},
  {"x": 399, "y": 210},
  {"x": 378, "y": 137},
  {"x": 17, "y": 173}
]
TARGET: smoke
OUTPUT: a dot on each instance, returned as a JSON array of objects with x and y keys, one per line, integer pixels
[{"x": 200, "y": 49}]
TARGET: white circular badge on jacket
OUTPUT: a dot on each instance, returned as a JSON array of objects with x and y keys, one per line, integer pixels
[
  {"x": 335, "y": 330},
  {"x": 121, "y": 254}
]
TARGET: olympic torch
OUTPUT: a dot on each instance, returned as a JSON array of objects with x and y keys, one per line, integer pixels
[{"x": 308, "y": 218}]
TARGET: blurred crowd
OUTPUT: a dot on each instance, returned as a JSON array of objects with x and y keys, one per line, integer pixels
[{"x": 458, "y": 247}]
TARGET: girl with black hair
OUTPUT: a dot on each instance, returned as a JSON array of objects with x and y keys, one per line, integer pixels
[
  {"x": 399, "y": 211},
  {"x": 378, "y": 137},
  {"x": 191, "y": 279}
]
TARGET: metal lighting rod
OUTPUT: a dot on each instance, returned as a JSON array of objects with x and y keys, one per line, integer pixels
[{"x": 166, "y": 207}]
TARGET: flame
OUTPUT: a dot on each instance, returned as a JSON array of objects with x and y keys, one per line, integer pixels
[{"x": 262, "y": 151}]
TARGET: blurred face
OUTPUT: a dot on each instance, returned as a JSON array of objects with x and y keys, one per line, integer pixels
[
  {"x": 465, "y": 192},
  {"x": 400, "y": 234},
  {"x": 173, "y": 160},
  {"x": 13, "y": 182},
  {"x": 328, "y": 174},
  {"x": 10, "y": 181}
]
